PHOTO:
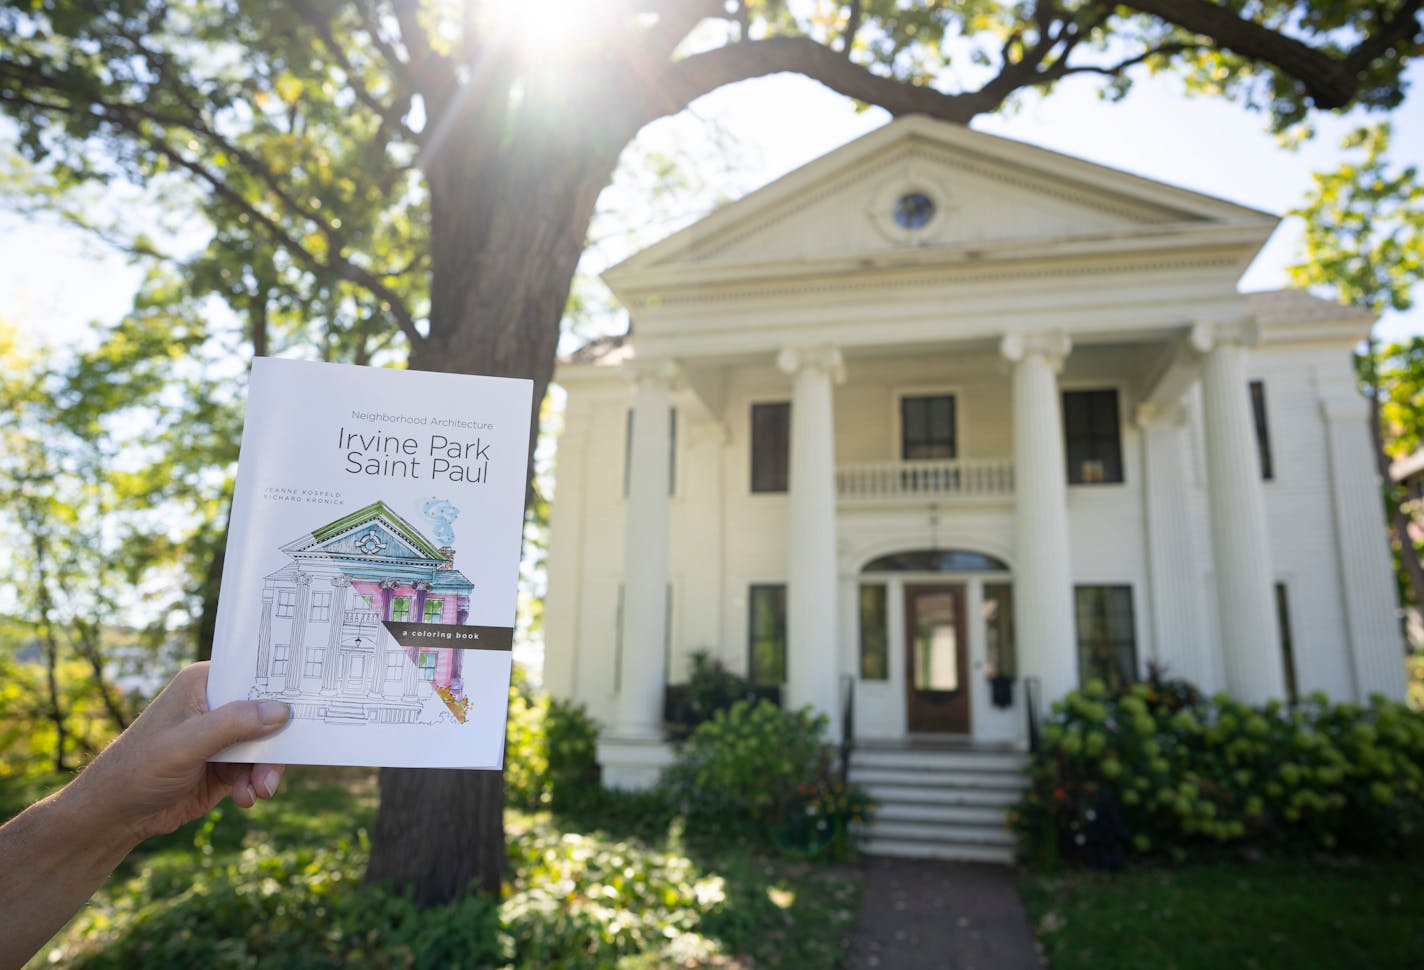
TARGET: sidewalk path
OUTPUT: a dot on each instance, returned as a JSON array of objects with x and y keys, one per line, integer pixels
[{"x": 926, "y": 915}]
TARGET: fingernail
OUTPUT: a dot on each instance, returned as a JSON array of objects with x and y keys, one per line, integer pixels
[
  {"x": 269, "y": 781},
  {"x": 273, "y": 712}
]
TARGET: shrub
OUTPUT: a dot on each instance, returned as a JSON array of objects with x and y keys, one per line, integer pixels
[
  {"x": 710, "y": 688},
  {"x": 550, "y": 759},
  {"x": 1127, "y": 776},
  {"x": 756, "y": 770}
]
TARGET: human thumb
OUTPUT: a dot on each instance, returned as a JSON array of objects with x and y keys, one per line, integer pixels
[{"x": 233, "y": 722}]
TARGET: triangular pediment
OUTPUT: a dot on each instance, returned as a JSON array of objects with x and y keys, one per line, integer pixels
[
  {"x": 374, "y": 533},
  {"x": 981, "y": 192}
]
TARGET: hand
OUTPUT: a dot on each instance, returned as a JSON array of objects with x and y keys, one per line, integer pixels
[{"x": 156, "y": 775}]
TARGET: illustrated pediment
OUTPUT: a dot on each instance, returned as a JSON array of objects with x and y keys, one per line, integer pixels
[
  {"x": 374, "y": 533},
  {"x": 958, "y": 189}
]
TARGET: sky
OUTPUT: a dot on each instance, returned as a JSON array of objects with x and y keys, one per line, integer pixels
[{"x": 54, "y": 280}]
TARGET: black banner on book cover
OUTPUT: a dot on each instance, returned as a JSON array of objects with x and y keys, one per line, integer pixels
[{"x": 464, "y": 636}]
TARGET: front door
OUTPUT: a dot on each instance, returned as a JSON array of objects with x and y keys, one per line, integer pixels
[{"x": 936, "y": 665}]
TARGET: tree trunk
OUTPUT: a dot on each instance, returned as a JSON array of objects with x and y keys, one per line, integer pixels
[{"x": 510, "y": 207}]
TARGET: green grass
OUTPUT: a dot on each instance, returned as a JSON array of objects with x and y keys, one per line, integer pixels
[
  {"x": 1323, "y": 912},
  {"x": 620, "y": 885}
]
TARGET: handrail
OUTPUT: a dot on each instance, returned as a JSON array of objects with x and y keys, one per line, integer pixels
[
  {"x": 847, "y": 724},
  {"x": 1032, "y": 698}
]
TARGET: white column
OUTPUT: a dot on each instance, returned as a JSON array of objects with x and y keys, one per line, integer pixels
[
  {"x": 1178, "y": 611},
  {"x": 1376, "y": 650},
  {"x": 1241, "y": 551},
  {"x": 811, "y": 665},
  {"x": 645, "y": 562},
  {"x": 1044, "y": 628}
]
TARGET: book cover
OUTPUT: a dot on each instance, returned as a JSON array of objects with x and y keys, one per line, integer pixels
[{"x": 372, "y": 564}]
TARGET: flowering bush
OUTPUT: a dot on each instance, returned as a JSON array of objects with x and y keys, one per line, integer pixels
[
  {"x": 819, "y": 819},
  {"x": 1132, "y": 775}
]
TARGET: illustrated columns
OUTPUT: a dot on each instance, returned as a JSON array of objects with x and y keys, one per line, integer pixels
[
  {"x": 331, "y": 666},
  {"x": 645, "y": 569},
  {"x": 297, "y": 652},
  {"x": 811, "y": 668},
  {"x": 1043, "y": 579},
  {"x": 1245, "y": 581}
]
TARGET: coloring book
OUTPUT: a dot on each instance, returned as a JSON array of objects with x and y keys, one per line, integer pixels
[{"x": 372, "y": 564}]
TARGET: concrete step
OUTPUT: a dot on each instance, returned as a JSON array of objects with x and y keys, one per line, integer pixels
[
  {"x": 954, "y": 851},
  {"x": 945, "y": 779},
  {"x": 891, "y": 794},
  {"x": 938, "y": 813},
  {"x": 993, "y": 834},
  {"x": 1007, "y": 762}
]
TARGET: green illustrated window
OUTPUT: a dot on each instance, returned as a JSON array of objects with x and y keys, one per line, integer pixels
[
  {"x": 874, "y": 633},
  {"x": 1107, "y": 637},
  {"x": 433, "y": 609},
  {"x": 766, "y": 613},
  {"x": 400, "y": 609},
  {"x": 427, "y": 665}
]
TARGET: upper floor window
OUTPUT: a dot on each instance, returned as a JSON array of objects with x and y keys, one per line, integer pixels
[
  {"x": 1092, "y": 437},
  {"x": 927, "y": 427},
  {"x": 771, "y": 446},
  {"x": 1263, "y": 431}
]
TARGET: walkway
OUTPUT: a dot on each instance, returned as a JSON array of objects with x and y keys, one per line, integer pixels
[{"x": 926, "y": 915}]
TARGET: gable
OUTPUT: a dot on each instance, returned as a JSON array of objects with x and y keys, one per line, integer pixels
[
  {"x": 372, "y": 533},
  {"x": 986, "y": 191}
]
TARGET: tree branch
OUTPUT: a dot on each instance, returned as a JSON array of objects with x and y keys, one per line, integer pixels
[
  {"x": 389, "y": 115},
  {"x": 1330, "y": 81},
  {"x": 686, "y": 80}
]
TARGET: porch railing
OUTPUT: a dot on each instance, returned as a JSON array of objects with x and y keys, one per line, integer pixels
[{"x": 872, "y": 481}]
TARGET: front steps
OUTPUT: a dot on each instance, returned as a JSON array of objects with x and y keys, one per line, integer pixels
[{"x": 939, "y": 799}]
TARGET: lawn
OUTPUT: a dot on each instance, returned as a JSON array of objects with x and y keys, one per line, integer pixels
[
  {"x": 617, "y": 886},
  {"x": 1319, "y": 912}
]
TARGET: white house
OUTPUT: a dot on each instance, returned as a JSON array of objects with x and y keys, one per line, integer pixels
[{"x": 941, "y": 406}]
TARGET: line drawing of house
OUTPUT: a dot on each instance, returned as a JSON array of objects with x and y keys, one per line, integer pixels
[{"x": 322, "y": 645}]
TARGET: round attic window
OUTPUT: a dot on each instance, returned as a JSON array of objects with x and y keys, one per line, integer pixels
[{"x": 913, "y": 210}]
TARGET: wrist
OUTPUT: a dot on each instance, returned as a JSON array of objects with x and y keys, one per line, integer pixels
[{"x": 90, "y": 814}]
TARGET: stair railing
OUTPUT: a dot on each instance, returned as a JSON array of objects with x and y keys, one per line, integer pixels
[
  {"x": 1033, "y": 691},
  {"x": 847, "y": 724}
]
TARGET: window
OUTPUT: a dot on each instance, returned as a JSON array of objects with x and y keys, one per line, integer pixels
[
  {"x": 927, "y": 427},
  {"x": 286, "y": 602},
  {"x": 874, "y": 635},
  {"x": 313, "y": 665},
  {"x": 1287, "y": 648},
  {"x": 321, "y": 607},
  {"x": 400, "y": 609},
  {"x": 433, "y": 611},
  {"x": 1107, "y": 637},
  {"x": 999, "y": 630},
  {"x": 427, "y": 666},
  {"x": 394, "y": 661},
  {"x": 1263, "y": 431},
  {"x": 279, "y": 659},
  {"x": 1092, "y": 438},
  {"x": 628, "y": 450},
  {"x": 771, "y": 446},
  {"x": 766, "y": 614}
]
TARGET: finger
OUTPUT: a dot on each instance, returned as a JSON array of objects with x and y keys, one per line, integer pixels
[
  {"x": 266, "y": 778},
  {"x": 242, "y": 791},
  {"x": 227, "y": 771},
  {"x": 207, "y": 734}
]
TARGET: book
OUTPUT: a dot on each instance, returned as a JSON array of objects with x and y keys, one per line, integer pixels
[{"x": 372, "y": 564}]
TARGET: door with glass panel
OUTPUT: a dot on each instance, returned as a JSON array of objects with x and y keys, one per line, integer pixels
[{"x": 937, "y": 666}]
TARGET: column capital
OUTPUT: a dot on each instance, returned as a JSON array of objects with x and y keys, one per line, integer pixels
[
  {"x": 1055, "y": 345},
  {"x": 654, "y": 370},
  {"x": 1206, "y": 337},
  {"x": 824, "y": 357}
]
